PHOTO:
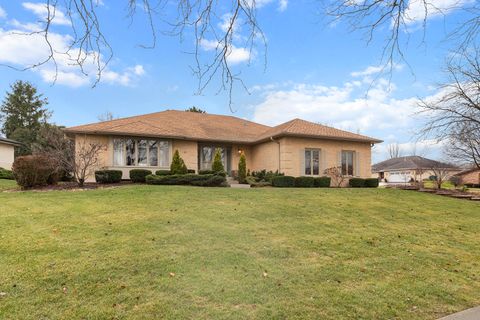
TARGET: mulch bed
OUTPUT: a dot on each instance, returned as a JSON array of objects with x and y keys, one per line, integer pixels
[{"x": 73, "y": 186}]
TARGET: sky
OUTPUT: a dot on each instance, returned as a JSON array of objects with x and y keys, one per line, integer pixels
[{"x": 315, "y": 70}]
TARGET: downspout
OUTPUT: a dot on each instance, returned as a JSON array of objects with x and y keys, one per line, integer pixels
[{"x": 277, "y": 142}]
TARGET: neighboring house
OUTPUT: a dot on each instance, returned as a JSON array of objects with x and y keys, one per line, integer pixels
[
  {"x": 470, "y": 177},
  {"x": 7, "y": 152},
  {"x": 296, "y": 148},
  {"x": 408, "y": 169}
]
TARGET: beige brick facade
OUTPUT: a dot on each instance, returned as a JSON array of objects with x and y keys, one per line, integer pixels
[
  {"x": 6, "y": 156},
  {"x": 259, "y": 156}
]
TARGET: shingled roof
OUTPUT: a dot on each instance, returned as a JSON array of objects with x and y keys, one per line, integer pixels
[
  {"x": 210, "y": 127},
  {"x": 410, "y": 163},
  {"x": 10, "y": 142}
]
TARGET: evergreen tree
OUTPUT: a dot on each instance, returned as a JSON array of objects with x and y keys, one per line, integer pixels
[
  {"x": 178, "y": 165},
  {"x": 195, "y": 109},
  {"x": 217, "y": 165},
  {"x": 23, "y": 113},
  {"x": 242, "y": 169}
]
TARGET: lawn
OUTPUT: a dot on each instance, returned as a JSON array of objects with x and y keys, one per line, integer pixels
[
  {"x": 151, "y": 252},
  {"x": 7, "y": 184}
]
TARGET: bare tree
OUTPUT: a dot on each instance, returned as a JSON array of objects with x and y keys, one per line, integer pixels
[
  {"x": 107, "y": 116},
  {"x": 215, "y": 26},
  {"x": 441, "y": 174},
  {"x": 394, "y": 150},
  {"x": 454, "y": 115},
  {"x": 80, "y": 159},
  {"x": 392, "y": 20},
  {"x": 335, "y": 173},
  {"x": 87, "y": 158}
]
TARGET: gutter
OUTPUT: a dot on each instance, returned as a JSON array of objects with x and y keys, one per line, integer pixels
[{"x": 277, "y": 142}]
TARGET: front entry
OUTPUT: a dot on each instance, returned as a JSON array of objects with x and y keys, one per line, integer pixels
[{"x": 206, "y": 153}]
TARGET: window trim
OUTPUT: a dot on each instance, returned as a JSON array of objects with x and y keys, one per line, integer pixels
[
  {"x": 137, "y": 139},
  {"x": 311, "y": 162}
]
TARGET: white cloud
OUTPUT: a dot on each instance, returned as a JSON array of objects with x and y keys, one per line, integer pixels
[
  {"x": 235, "y": 55},
  {"x": 416, "y": 8},
  {"x": 22, "y": 49},
  {"x": 41, "y": 11},
  {"x": 3, "y": 13},
  {"x": 282, "y": 4}
]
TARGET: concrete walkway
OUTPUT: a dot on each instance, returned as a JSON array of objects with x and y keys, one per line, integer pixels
[{"x": 469, "y": 314}]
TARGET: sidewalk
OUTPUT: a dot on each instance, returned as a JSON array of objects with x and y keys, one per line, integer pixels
[{"x": 469, "y": 314}]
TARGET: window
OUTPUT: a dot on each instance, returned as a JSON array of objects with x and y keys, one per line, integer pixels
[
  {"x": 312, "y": 162},
  {"x": 347, "y": 163},
  {"x": 141, "y": 152},
  {"x": 207, "y": 153}
]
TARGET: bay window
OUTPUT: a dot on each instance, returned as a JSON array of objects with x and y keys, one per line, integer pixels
[
  {"x": 312, "y": 162},
  {"x": 141, "y": 152}
]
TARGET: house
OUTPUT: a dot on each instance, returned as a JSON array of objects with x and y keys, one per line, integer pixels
[
  {"x": 296, "y": 148},
  {"x": 7, "y": 152},
  {"x": 470, "y": 177},
  {"x": 409, "y": 169}
]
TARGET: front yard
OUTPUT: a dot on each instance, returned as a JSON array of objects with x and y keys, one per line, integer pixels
[{"x": 150, "y": 252}]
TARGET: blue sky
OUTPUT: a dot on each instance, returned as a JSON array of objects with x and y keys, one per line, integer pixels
[{"x": 315, "y": 71}]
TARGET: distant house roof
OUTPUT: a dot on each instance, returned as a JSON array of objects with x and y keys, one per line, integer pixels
[
  {"x": 210, "y": 127},
  {"x": 10, "y": 142},
  {"x": 467, "y": 171},
  {"x": 409, "y": 163}
]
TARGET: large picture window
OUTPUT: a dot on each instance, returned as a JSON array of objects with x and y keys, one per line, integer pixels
[
  {"x": 347, "y": 163},
  {"x": 141, "y": 152},
  {"x": 312, "y": 162}
]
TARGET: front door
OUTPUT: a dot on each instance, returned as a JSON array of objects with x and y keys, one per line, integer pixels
[{"x": 206, "y": 153}]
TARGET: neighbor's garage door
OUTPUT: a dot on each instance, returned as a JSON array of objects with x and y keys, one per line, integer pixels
[{"x": 399, "y": 177}]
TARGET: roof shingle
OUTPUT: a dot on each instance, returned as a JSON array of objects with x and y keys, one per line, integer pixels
[
  {"x": 211, "y": 127},
  {"x": 409, "y": 163}
]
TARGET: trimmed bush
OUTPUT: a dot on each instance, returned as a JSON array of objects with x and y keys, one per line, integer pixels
[
  {"x": 163, "y": 173},
  {"x": 304, "y": 182},
  {"x": 178, "y": 165},
  {"x": 138, "y": 175},
  {"x": 108, "y": 176},
  {"x": 264, "y": 175},
  {"x": 322, "y": 182},
  {"x": 206, "y": 180},
  {"x": 371, "y": 183},
  {"x": 283, "y": 181},
  {"x": 34, "y": 170},
  {"x": 356, "y": 182},
  {"x": 203, "y": 172},
  {"x": 217, "y": 165},
  {"x": 242, "y": 169},
  {"x": 6, "y": 174}
]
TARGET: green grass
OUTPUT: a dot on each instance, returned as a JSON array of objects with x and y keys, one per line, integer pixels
[
  {"x": 237, "y": 254},
  {"x": 7, "y": 184}
]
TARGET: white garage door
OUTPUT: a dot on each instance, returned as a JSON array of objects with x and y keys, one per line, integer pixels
[{"x": 399, "y": 177}]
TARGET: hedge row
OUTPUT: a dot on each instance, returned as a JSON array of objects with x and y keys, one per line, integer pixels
[
  {"x": 363, "y": 183},
  {"x": 108, "y": 176},
  {"x": 6, "y": 174},
  {"x": 204, "y": 180},
  {"x": 301, "y": 182},
  {"x": 138, "y": 175}
]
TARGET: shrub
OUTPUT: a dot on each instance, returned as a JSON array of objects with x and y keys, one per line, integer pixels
[
  {"x": 304, "y": 182},
  {"x": 322, "y": 182},
  {"x": 455, "y": 180},
  {"x": 242, "y": 169},
  {"x": 6, "y": 174},
  {"x": 108, "y": 176},
  {"x": 138, "y": 175},
  {"x": 254, "y": 183},
  {"x": 217, "y": 165},
  {"x": 178, "y": 165},
  {"x": 163, "y": 172},
  {"x": 283, "y": 181},
  {"x": 206, "y": 180},
  {"x": 356, "y": 182},
  {"x": 264, "y": 175},
  {"x": 203, "y": 172},
  {"x": 191, "y": 171},
  {"x": 34, "y": 170},
  {"x": 371, "y": 183}
]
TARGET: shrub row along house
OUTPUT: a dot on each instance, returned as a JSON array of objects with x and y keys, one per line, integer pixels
[{"x": 295, "y": 148}]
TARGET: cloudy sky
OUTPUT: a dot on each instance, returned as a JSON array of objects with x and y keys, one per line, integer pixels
[{"x": 317, "y": 71}]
